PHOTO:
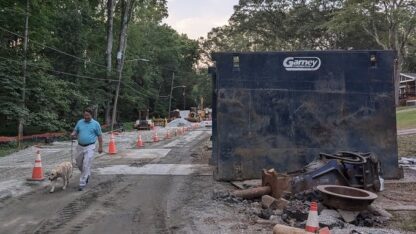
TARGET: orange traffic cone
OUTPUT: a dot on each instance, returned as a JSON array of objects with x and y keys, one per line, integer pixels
[
  {"x": 112, "y": 149},
  {"x": 167, "y": 135},
  {"x": 140, "y": 141},
  {"x": 312, "y": 225},
  {"x": 155, "y": 137},
  {"x": 37, "y": 173}
]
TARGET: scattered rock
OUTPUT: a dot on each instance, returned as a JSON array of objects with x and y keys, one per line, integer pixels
[
  {"x": 268, "y": 202},
  {"x": 379, "y": 211},
  {"x": 348, "y": 216},
  {"x": 239, "y": 226},
  {"x": 262, "y": 221},
  {"x": 362, "y": 230},
  {"x": 278, "y": 212},
  {"x": 254, "y": 211},
  {"x": 276, "y": 219},
  {"x": 255, "y": 204},
  {"x": 368, "y": 219},
  {"x": 282, "y": 203},
  {"x": 226, "y": 197},
  {"x": 266, "y": 213},
  {"x": 308, "y": 195},
  {"x": 300, "y": 224},
  {"x": 330, "y": 218},
  {"x": 297, "y": 210}
]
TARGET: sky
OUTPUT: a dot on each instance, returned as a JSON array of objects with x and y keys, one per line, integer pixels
[{"x": 197, "y": 17}]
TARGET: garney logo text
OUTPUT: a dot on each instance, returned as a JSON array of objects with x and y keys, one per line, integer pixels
[{"x": 302, "y": 63}]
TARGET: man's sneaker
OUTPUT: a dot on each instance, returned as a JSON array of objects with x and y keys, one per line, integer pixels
[{"x": 80, "y": 188}]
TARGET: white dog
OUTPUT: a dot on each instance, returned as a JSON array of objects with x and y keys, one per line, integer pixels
[{"x": 63, "y": 170}]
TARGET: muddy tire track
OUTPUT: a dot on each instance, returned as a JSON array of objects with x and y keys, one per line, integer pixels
[{"x": 77, "y": 207}]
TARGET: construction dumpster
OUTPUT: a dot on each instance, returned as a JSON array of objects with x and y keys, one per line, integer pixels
[{"x": 281, "y": 109}]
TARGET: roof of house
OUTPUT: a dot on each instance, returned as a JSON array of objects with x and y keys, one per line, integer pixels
[
  {"x": 413, "y": 75},
  {"x": 406, "y": 77}
]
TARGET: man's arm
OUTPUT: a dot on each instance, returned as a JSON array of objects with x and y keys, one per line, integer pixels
[
  {"x": 100, "y": 144},
  {"x": 75, "y": 132},
  {"x": 100, "y": 138}
]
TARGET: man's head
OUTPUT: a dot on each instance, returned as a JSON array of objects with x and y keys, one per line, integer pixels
[{"x": 87, "y": 114}]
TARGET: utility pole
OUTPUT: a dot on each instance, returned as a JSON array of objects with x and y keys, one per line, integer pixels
[
  {"x": 119, "y": 73},
  {"x": 127, "y": 6},
  {"x": 108, "y": 54},
  {"x": 21, "y": 118},
  {"x": 170, "y": 96}
]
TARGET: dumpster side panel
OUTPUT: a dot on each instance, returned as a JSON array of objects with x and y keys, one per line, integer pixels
[{"x": 269, "y": 117}]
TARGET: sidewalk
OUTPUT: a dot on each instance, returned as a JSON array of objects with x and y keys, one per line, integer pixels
[{"x": 406, "y": 132}]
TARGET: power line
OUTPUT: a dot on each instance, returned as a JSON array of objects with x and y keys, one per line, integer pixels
[
  {"x": 137, "y": 92},
  {"x": 59, "y": 72},
  {"x": 52, "y": 48},
  {"x": 88, "y": 61},
  {"x": 86, "y": 72}
]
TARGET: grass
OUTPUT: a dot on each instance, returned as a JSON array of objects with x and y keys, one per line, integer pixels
[
  {"x": 128, "y": 126},
  {"x": 406, "y": 117},
  {"x": 401, "y": 108},
  {"x": 6, "y": 149}
]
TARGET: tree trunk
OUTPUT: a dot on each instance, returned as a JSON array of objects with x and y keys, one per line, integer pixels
[
  {"x": 108, "y": 54},
  {"x": 398, "y": 68},
  {"x": 396, "y": 82}
]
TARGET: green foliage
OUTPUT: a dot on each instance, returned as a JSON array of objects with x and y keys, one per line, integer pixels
[
  {"x": 264, "y": 25},
  {"x": 66, "y": 63},
  {"x": 168, "y": 53}
]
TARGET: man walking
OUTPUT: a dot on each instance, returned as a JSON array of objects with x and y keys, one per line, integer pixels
[{"x": 87, "y": 130}]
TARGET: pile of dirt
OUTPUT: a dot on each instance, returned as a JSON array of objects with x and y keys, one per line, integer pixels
[
  {"x": 226, "y": 197},
  {"x": 178, "y": 123}
]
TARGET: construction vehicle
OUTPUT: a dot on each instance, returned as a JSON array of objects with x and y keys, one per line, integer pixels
[
  {"x": 193, "y": 115},
  {"x": 144, "y": 123}
]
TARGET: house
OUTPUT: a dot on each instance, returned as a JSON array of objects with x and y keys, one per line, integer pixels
[{"x": 407, "y": 89}]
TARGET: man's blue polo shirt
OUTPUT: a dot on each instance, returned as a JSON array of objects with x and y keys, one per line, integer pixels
[{"x": 87, "y": 131}]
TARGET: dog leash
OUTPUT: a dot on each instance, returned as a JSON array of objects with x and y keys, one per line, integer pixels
[{"x": 72, "y": 157}]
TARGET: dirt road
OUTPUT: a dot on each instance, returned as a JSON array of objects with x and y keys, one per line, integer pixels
[
  {"x": 158, "y": 189},
  {"x": 167, "y": 187}
]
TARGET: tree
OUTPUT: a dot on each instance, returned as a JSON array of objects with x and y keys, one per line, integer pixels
[
  {"x": 391, "y": 24},
  {"x": 70, "y": 62}
]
